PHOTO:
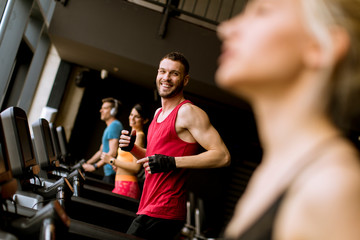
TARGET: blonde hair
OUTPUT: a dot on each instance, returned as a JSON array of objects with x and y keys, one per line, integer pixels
[{"x": 321, "y": 15}]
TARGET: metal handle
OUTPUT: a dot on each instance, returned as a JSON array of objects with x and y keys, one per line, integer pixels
[{"x": 6, "y": 18}]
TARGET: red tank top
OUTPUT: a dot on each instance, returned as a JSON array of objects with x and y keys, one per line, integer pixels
[{"x": 164, "y": 194}]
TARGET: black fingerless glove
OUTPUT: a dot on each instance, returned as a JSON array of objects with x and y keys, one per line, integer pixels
[
  {"x": 161, "y": 163},
  {"x": 129, "y": 147}
]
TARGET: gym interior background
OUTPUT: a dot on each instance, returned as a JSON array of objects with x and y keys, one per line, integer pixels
[{"x": 52, "y": 53}]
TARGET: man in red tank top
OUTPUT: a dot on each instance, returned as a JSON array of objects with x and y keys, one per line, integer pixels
[{"x": 174, "y": 136}]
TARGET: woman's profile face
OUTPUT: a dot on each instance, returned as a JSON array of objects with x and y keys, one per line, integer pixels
[{"x": 263, "y": 46}]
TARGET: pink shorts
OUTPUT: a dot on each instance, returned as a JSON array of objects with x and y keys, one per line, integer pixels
[{"x": 127, "y": 185}]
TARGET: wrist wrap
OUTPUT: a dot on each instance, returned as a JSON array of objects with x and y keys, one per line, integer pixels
[
  {"x": 131, "y": 144},
  {"x": 161, "y": 163}
]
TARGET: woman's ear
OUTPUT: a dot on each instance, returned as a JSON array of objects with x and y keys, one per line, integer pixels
[
  {"x": 317, "y": 56},
  {"x": 341, "y": 42},
  {"x": 313, "y": 53}
]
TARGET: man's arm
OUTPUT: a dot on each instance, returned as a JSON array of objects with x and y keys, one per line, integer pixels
[
  {"x": 96, "y": 156},
  {"x": 193, "y": 122},
  {"x": 193, "y": 125},
  {"x": 113, "y": 146},
  {"x": 88, "y": 166},
  {"x": 137, "y": 151}
]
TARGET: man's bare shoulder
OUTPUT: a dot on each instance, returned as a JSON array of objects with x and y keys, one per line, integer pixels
[
  {"x": 190, "y": 108},
  {"x": 156, "y": 112},
  {"x": 190, "y": 114}
]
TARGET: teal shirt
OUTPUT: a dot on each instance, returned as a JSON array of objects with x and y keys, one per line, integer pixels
[{"x": 112, "y": 131}]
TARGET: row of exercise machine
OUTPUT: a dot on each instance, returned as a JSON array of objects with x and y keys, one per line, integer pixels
[
  {"x": 43, "y": 197},
  {"x": 45, "y": 194}
]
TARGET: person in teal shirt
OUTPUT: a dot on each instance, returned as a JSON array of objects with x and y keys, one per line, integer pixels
[{"x": 110, "y": 140}]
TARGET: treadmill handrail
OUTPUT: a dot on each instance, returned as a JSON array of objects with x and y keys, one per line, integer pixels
[{"x": 103, "y": 206}]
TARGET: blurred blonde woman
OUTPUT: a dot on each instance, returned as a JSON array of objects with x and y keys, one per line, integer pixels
[
  {"x": 126, "y": 180},
  {"x": 297, "y": 63}
]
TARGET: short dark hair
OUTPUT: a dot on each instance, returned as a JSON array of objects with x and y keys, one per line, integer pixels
[{"x": 177, "y": 56}]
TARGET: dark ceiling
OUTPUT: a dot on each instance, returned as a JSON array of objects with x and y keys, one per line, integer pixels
[{"x": 122, "y": 38}]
